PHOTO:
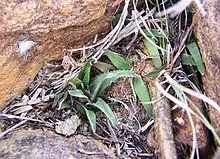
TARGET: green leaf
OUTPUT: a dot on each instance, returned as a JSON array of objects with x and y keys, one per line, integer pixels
[
  {"x": 105, "y": 108},
  {"x": 85, "y": 72},
  {"x": 153, "y": 51},
  {"x": 194, "y": 50},
  {"x": 75, "y": 82},
  {"x": 143, "y": 94},
  {"x": 188, "y": 60},
  {"x": 87, "y": 69},
  {"x": 91, "y": 117},
  {"x": 101, "y": 82},
  {"x": 155, "y": 32},
  {"x": 118, "y": 61},
  {"x": 155, "y": 73},
  {"x": 77, "y": 93}
]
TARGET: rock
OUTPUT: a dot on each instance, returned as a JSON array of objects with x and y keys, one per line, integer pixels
[
  {"x": 183, "y": 130},
  {"x": 207, "y": 31},
  {"x": 33, "y": 32},
  {"x": 44, "y": 144},
  {"x": 67, "y": 127}
]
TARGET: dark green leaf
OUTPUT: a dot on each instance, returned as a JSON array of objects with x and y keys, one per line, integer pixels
[
  {"x": 87, "y": 69},
  {"x": 77, "y": 93},
  {"x": 154, "y": 53},
  {"x": 194, "y": 50},
  {"x": 101, "y": 82},
  {"x": 188, "y": 60},
  {"x": 155, "y": 73},
  {"x": 143, "y": 94},
  {"x": 104, "y": 107},
  {"x": 118, "y": 61},
  {"x": 91, "y": 117}
]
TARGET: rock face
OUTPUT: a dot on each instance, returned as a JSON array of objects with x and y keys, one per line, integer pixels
[
  {"x": 207, "y": 30},
  {"x": 47, "y": 27},
  {"x": 37, "y": 144}
]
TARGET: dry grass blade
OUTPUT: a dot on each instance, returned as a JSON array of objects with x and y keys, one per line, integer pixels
[
  {"x": 179, "y": 7},
  {"x": 146, "y": 126},
  {"x": 175, "y": 100},
  {"x": 114, "y": 33},
  {"x": 22, "y": 109},
  {"x": 105, "y": 43},
  {"x": 206, "y": 122},
  {"x": 175, "y": 9},
  {"x": 192, "y": 93},
  {"x": 141, "y": 30},
  {"x": 189, "y": 110},
  {"x": 9, "y": 116},
  {"x": 195, "y": 144}
]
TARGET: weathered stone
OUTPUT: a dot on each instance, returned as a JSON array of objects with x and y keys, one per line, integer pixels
[
  {"x": 52, "y": 26},
  {"x": 45, "y": 144},
  {"x": 183, "y": 130},
  {"x": 207, "y": 31}
]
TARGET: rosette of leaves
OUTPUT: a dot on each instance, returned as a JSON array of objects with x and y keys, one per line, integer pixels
[{"x": 87, "y": 93}]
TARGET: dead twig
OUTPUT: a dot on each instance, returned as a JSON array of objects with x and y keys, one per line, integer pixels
[
  {"x": 163, "y": 127},
  {"x": 9, "y": 116},
  {"x": 114, "y": 137}
]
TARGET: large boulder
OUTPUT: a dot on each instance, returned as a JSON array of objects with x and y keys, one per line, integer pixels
[
  {"x": 207, "y": 31},
  {"x": 48, "y": 27},
  {"x": 45, "y": 144}
]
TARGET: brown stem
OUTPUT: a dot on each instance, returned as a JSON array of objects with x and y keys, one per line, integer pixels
[{"x": 163, "y": 128}]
